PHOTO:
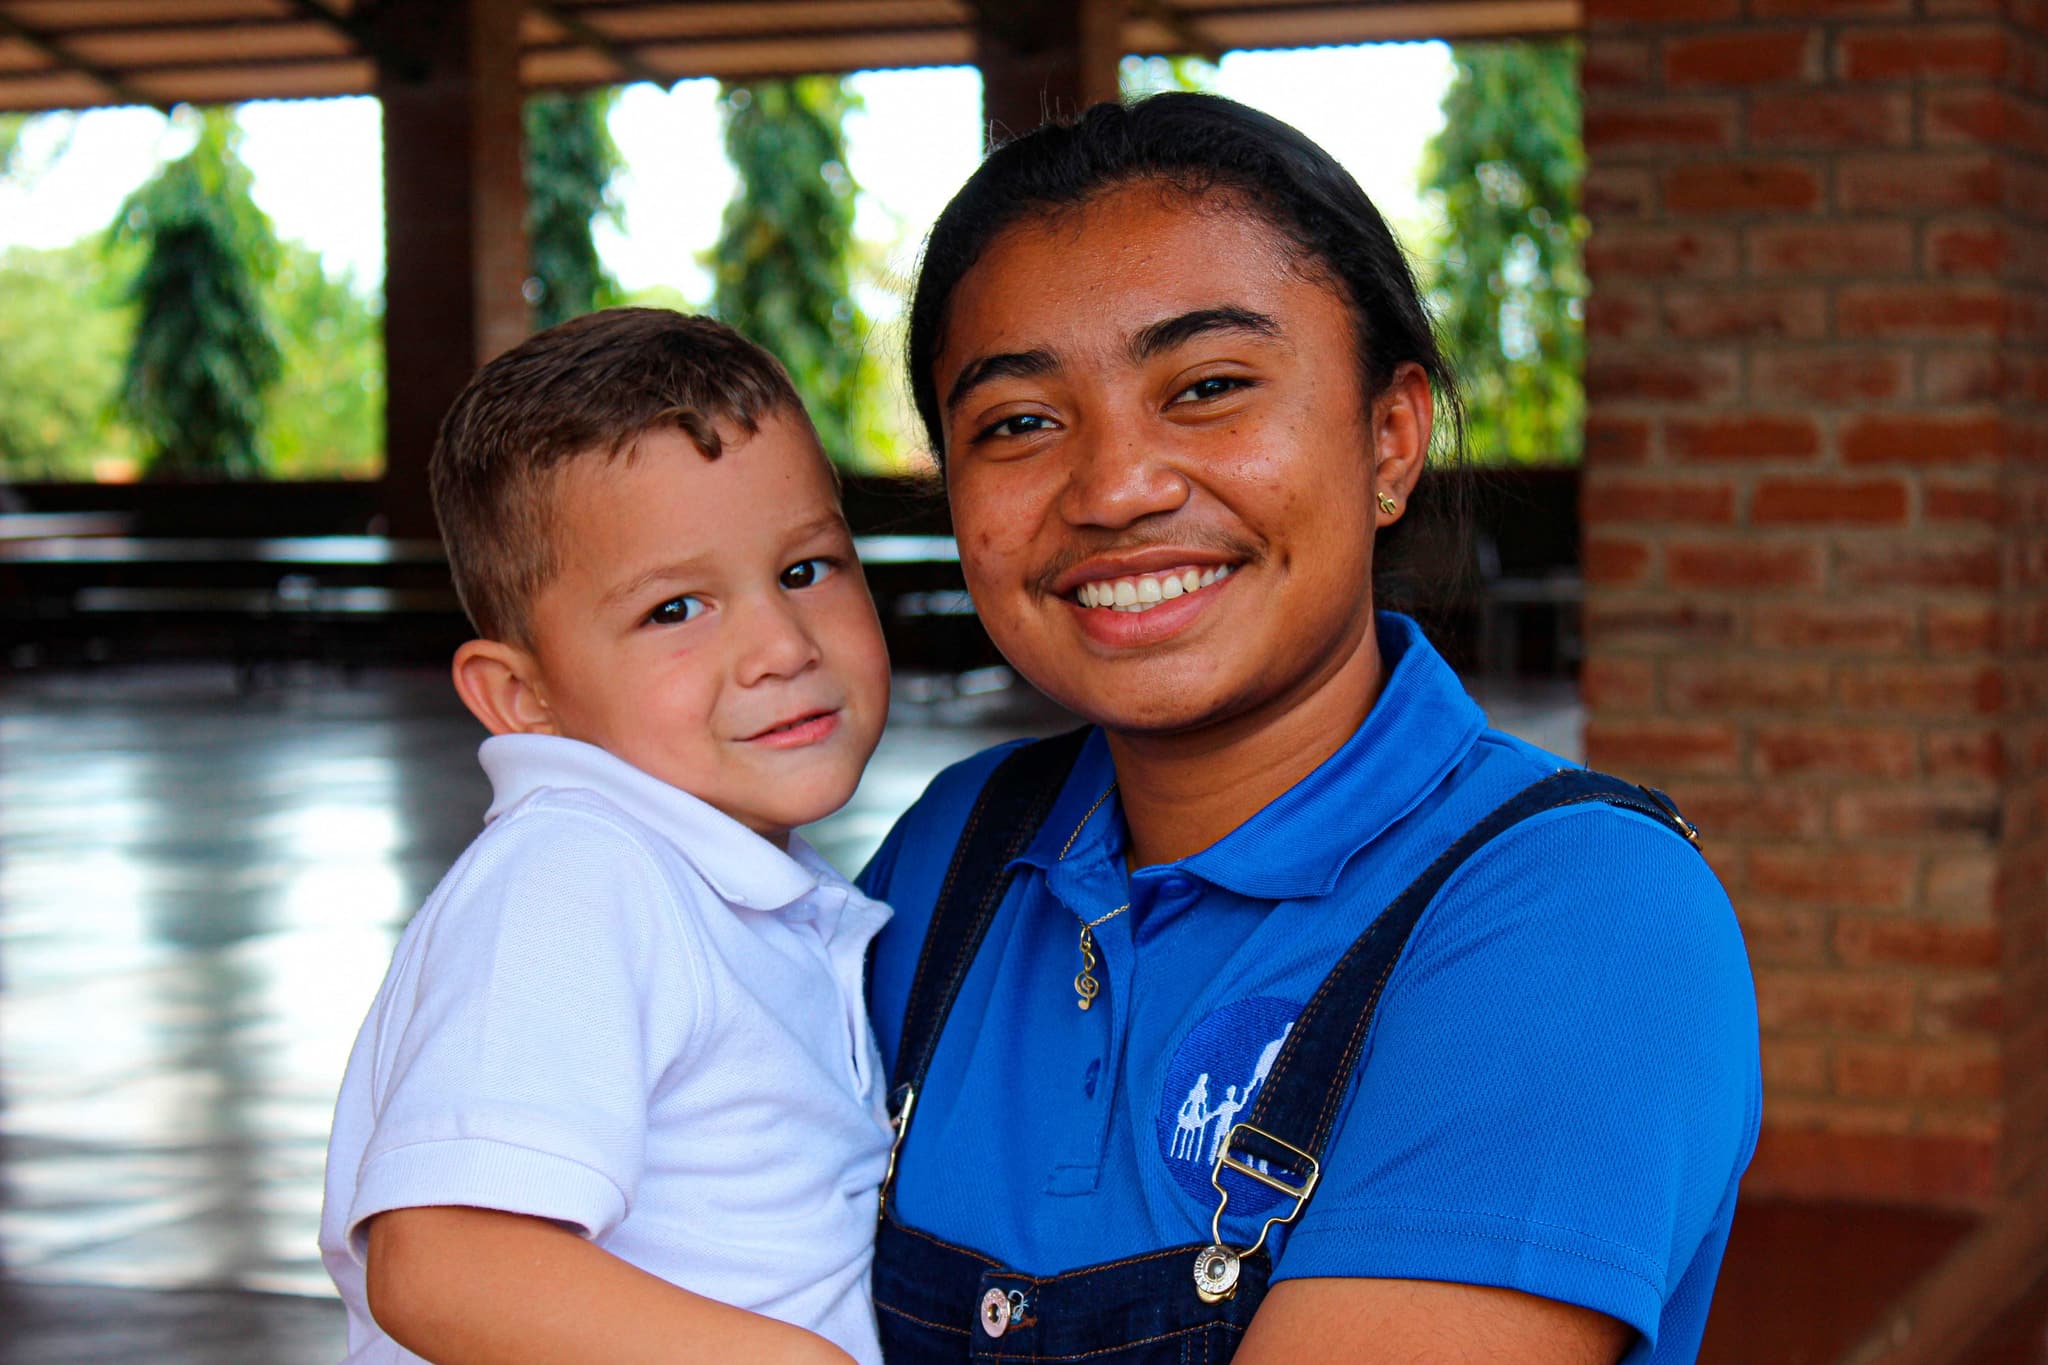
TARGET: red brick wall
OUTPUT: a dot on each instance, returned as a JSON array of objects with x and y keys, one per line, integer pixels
[
  {"x": 2022, "y": 887},
  {"x": 1816, "y": 517}
]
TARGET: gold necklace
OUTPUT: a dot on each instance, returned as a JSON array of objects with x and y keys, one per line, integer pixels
[{"x": 1085, "y": 984}]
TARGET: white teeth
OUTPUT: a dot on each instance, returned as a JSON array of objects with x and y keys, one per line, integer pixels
[{"x": 1147, "y": 591}]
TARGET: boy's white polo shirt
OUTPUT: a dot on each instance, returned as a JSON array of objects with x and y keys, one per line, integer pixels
[{"x": 628, "y": 1013}]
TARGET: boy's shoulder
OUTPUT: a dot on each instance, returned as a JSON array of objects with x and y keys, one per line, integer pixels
[
  {"x": 570, "y": 827},
  {"x": 563, "y": 856}
]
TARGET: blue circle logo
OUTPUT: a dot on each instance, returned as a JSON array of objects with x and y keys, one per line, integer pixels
[{"x": 1213, "y": 1080}]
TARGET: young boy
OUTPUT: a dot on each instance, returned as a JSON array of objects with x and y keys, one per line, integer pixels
[{"x": 617, "y": 1099}]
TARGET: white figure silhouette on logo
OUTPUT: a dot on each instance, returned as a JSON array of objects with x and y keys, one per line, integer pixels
[
  {"x": 1191, "y": 1134},
  {"x": 1193, "y": 1118},
  {"x": 1224, "y": 1113}
]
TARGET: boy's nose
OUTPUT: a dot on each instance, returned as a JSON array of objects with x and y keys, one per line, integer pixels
[{"x": 777, "y": 643}]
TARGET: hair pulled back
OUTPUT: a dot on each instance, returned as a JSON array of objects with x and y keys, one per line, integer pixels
[{"x": 1200, "y": 145}]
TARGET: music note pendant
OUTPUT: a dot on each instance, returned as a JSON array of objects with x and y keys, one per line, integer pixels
[{"x": 1085, "y": 985}]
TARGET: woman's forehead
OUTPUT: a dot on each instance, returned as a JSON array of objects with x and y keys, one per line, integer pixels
[{"x": 1118, "y": 261}]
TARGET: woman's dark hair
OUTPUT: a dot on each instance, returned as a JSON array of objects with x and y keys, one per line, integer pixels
[{"x": 1199, "y": 145}]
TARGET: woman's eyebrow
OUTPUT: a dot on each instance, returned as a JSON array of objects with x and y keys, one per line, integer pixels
[
  {"x": 1168, "y": 333},
  {"x": 1003, "y": 365}
]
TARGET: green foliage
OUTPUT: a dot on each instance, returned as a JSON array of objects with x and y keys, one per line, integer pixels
[
  {"x": 1137, "y": 77},
  {"x": 660, "y": 296},
  {"x": 570, "y": 162},
  {"x": 1511, "y": 283},
  {"x": 325, "y": 418},
  {"x": 64, "y": 329},
  {"x": 783, "y": 266},
  {"x": 10, "y": 141},
  {"x": 203, "y": 355}
]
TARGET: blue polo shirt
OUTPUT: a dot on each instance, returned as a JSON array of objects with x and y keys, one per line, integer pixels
[{"x": 1561, "y": 1087}]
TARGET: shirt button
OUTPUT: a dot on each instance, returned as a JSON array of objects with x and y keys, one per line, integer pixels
[{"x": 995, "y": 1312}]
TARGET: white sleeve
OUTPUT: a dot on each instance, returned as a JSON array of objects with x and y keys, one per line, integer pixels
[{"x": 548, "y": 990}]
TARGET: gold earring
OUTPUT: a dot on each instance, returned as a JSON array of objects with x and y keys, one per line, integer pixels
[{"x": 1388, "y": 505}]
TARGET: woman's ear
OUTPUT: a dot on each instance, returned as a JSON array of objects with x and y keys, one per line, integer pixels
[
  {"x": 500, "y": 684},
  {"x": 1403, "y": 417}
]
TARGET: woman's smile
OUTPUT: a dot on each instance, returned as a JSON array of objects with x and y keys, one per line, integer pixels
[{"x": 1162, "y": 477}]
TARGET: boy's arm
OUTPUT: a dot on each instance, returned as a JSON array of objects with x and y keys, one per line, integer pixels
[{"x": 490, "y": 1288}]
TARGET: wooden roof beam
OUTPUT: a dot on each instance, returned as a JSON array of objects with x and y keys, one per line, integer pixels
[
  {"x": 629, "y": 62},
  {"x": 343, "y": 24},
  {"x": 1183, "y": 29},
  {"x": 63, "y": 56}
]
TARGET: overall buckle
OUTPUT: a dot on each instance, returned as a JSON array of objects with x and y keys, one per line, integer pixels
[
  {"x": 1216, "y": 1265},
  {"x": 900, "y": 1104}
]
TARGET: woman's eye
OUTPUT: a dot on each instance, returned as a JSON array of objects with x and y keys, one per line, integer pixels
[
  {"x": 806, "y": 573},
  {"x": 1023, "y": 424},
  {"x": 1215, "y": 386},
  {"x": 675, "y": 611}
]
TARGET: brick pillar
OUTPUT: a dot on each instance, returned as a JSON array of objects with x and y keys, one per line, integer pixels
[{"x": 1816, "y": 521}]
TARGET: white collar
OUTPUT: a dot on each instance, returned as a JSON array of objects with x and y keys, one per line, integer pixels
[{"x": 742, "y": 867}]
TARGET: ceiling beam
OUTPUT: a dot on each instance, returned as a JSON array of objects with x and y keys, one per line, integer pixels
[
  {"x": 1183, "y": 29},
  {"x": 629, "y": 62},
  {"x": 63, "y": 56},
  {"x": 363, "y": 35},
  {"x": 346, "y": 25}
]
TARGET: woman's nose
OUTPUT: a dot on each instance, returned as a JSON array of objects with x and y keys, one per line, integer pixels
[{"x": 1118, "y": 474}]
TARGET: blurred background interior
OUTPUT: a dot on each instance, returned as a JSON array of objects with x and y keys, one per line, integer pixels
[{"x": 1751, "y": 301}]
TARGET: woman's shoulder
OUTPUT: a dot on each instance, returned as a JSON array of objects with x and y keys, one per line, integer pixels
[{"x": 1578, "y": 875}]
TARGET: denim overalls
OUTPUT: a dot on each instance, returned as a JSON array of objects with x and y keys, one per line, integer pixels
[{"x": 939, "y": 1302}]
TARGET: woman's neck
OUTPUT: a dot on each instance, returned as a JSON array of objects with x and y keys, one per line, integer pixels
[{"x": 1182, "y": 792}]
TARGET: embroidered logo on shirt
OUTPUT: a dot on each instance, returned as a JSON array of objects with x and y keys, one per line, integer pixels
[{"x": 1215, "y": 1077}]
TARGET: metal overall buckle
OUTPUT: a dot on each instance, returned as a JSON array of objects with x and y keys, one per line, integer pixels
[
  {"x": 1216, "y": 1265},
  {"x": 900, "y": 1105}
]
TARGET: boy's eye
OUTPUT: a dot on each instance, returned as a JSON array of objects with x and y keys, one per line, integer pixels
[
  {"x": 806, "y": 573},
  {"x": 1215, "y": 386},
  {"x": 675, "y": 611}
]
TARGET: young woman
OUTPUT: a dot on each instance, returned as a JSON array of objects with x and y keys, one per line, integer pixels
[{"x": 1287, "y": 1010}]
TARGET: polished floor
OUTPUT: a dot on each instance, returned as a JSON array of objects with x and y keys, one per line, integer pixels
[{"x": 199, "y": 888}]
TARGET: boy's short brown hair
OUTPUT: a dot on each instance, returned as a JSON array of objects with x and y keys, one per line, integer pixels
[{"x": 592, "y": 385}]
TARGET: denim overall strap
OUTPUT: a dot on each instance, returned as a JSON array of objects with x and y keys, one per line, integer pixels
[
  {"x": 1012, "y": 805},
  {"x": 1299, "y": 1103}
]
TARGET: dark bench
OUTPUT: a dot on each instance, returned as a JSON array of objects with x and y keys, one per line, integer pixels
[{"x": 351, "y": 599}]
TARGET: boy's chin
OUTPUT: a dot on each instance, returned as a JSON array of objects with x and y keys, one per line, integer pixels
[{"x": 797, "y": 810}]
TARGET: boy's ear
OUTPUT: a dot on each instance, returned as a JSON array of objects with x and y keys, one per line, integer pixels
[{"x": 499, "y": 684}]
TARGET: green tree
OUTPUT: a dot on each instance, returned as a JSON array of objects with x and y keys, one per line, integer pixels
[
  {"x": 203, "y": 355},
  {"x": 1510, "y": 285},
  {"x": 10, "y": 141},
  {"x": 783, "y": 266},
  {"x": 64, "y": 329},
  {"x": 325, "y": 418},
  {"x": 1137, "y": 76},
  {"x": 570, "y": 162}
]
